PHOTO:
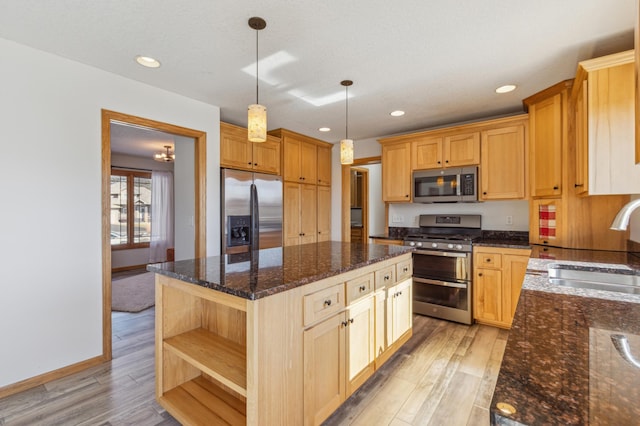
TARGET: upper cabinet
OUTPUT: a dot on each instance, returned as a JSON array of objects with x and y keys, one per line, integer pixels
[
  {"x": 456, "y": 150},
  {"x": 304, "y": 159},
  {"x": 396, "y": 172},
  {"x": 237, "y": 152},
  {"x": 603, "y": 93},
  {"x": 547, "y": 131},
  {"x": 503, "y": 160},
  {"x": 503, "y": 167}
]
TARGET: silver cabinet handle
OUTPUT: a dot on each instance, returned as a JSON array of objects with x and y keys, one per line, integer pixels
[{"x": 621, "y": 344}]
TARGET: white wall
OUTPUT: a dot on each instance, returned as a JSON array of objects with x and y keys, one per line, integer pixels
[
  {"x": 493, "y": 213},
  {"x": 50, "y": 172},
  {"x": 184, "y": 199}
]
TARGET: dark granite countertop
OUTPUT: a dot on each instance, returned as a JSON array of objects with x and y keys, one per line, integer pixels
[
  {"x": 560, "y": 366},
  {"x": 265, "y": 272}
]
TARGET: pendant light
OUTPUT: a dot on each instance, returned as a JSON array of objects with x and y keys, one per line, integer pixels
[
  {"x": 165, "y": 157},
  {"x": 346, "y": 144},
  {"x": 257, "y": 114}
]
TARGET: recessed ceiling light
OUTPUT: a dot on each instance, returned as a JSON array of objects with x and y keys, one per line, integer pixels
[
  {"x": 506, "y": 88},
  {"x": 324, "y": 129},
  {"x": 397, "y": 113},
  {"x": 147, "y": 61}
]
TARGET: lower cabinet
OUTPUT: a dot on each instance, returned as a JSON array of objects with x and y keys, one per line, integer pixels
[
  {"x": 399, "y": 312},
  {"x": 498, "y": 277}
]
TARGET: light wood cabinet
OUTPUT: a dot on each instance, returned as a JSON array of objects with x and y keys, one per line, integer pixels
[
  {"x": 454, "y": 150},
  {"x": 237, "y": 152},
  {"x": 462, "y": 149},
  {"x": 547, "y": 129},
  {"x": 399, "y": 309},
  {"x": 324, "y": 165},
  {"x": 387, "y": 241},
  {"x": 498, "y": 277},
  {"x": 503, "y": 166},
  {"x": 299, "y": 214},
  {"x": 605, "y": 129},
  {"x": 580, "y": 221},
  {"x": 360, "y": 342},
  {"x": 396, "y": 172},
  {"x": 324, "y": 213}
]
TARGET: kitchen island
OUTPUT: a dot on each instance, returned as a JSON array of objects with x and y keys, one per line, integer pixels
[
  {"x": 277, "y": 336},
  {"x": 560, "y": 364}
]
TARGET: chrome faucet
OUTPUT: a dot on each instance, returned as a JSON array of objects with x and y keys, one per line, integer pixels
[{"x": 621, "y": 221}]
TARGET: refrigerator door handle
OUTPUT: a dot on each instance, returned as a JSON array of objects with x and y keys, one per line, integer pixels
[{"x": 255, "y": 218}]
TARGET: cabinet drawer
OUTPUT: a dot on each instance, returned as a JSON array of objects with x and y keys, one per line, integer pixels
[
  {"x": 404, "y": 270},
  {"x": 488, "y": 260},
  {"x": 385, "y": 277},
  {"x": 359, "y": 287},
  {"x": 323, "y": 303}
]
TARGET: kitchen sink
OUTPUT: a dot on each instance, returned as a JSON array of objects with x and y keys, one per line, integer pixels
[{"x": 618, "y": 280}]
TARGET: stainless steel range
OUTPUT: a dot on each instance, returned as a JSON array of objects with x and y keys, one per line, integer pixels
[{"x": 442, "y": 266}]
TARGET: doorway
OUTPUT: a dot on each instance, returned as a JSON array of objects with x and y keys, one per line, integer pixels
[
  {"x": 365, "y": 176},
  {"x": 199, "y": 169}
]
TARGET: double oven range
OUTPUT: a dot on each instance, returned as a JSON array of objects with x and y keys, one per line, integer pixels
[{"x": 442, "y": 266}]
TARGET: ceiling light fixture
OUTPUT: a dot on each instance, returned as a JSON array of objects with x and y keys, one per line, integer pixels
[
  {"x": 257, "y": 114},
  {"x": 147, "y": 61},
  {"x": 506, "y": 88},
  {"x": 346, "y": 144},
  {"x": 396, "y": 113},
  {"x": 165, "y": 157},
  {"x": 324, "y": 129}
]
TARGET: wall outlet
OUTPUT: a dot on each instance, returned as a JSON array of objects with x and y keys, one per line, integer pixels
[
  {"x": 509, "y": 220},
  {"x": 396, "y": 218}
]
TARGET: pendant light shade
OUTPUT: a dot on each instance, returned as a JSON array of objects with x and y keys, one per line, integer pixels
[
  {"x": 256, "y": 113},
  {"x": 346, "y": 144}
]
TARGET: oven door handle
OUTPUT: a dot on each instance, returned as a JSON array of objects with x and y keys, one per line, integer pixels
[
  {"x": 436, "y": 282},
  {"x": 441, "y": 253}
]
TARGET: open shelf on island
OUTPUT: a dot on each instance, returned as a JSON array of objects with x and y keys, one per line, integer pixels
[
  {"x": 220, "y": 358},
  {"x": 201, "y": 402}
]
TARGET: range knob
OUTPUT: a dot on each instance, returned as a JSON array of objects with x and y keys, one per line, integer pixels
[
  {"x": 411, "y": 243},
  {"x": 459, "y": 246},
  {"x": 418, "y": 244},
  {"x": 450, "y": 246},
  {"x": 434, "y": 245}
]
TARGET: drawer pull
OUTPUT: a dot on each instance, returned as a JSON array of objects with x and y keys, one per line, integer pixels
[
  {"x": 345, "y": 323},
  {"x": 488, "y": 260},
  {"x": 405, "y": 269},
  {"x": 387, "y": 277},
  {"x": 351, "y": 320},
  {"x": 327, "y": 302},
  {"x": 362, "y": 288}
]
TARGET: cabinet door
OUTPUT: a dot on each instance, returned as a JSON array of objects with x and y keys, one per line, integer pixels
[
  {"x": 502, "y": 174},
  {"x": 545, "y": 226},
  {"x": 235, "y": 148},
  {"x": 381, "y": 317},
  {"x": 360, "y": 343},
  {"x": 545, "y": 121},
  {"x": 488, "y": 294},
  {"x": 426, "y": 153},
  {"x": 308, "y": 162},
  {"x": 324, "y": 369},
  {"x": 396, "y": 172},
  {"x": 402, "y": 308},
  {"x": 266, "y": 156},
  {"x": 324, "y": 213},
  {"x": 308, "y": 214},
  {"x": 462, "y": 150},
  {"x": 291, "y": 214},
  {"x": 291, "y": 159},
  {"x": 514, "y": 270},
  {"x": 324, "y": 165}
]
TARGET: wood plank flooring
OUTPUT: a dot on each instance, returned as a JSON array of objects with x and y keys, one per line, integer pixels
[{"x": 445, "y": 374}]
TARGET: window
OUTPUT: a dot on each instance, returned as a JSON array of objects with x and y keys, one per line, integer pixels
[{"x": 130, "y": 209}]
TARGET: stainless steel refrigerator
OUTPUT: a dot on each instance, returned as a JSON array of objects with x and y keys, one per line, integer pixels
[{"x": 251, "y": 211}]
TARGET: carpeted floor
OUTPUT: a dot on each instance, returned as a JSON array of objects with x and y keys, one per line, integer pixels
[{"x": 133, "y": 294}]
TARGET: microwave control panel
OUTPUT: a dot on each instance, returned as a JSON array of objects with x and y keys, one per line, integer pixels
[{"x": 468, "y": 182}]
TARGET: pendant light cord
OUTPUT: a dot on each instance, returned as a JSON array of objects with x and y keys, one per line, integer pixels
[
  {"x": 257, "y": 98},
  {"x": 346, "y": 117}
]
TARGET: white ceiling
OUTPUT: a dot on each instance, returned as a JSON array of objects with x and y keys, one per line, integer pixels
[{"x": 440, "y": 61}]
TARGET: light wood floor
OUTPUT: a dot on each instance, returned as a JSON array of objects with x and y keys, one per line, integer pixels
[{"x": 444, "y": 375}]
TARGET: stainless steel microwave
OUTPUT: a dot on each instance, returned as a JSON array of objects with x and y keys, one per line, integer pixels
[{"x": 450, "y": 185}]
